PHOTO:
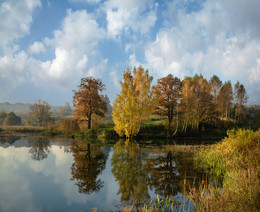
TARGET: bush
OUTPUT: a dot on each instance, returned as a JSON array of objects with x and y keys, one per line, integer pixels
[
  {"x": 12, "y": 119},
  {"x": 68, "y": 126}
]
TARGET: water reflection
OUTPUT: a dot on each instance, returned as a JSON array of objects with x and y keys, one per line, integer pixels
[
  {"x": 39, "y": 148},
  {"x": 131, "y": 172},
  {"x": 89, "y": 162},
  {"x": 9, "y": 139},
  {"x": 165, "y": 176},
  {"x": 77, "y": 176},
  {"x": 142, "y": 171}
]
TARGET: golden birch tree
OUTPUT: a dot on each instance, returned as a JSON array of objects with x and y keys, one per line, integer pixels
[{"x": 135, "y": 102}]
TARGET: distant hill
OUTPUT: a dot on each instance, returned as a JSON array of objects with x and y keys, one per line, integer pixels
[
  {"x": 21, "y": 107},
  {"x": 24, "y": 108}
]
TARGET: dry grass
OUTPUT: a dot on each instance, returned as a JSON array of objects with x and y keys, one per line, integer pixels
[
  {"x": 32, "y": 129},
  {"x": 236, "y": 161}
]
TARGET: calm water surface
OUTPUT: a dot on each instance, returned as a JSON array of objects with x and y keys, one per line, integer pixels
[{"x": 38, "y": 174}]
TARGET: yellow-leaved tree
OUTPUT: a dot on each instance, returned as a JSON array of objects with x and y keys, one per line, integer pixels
[{"x": 135, "y": 102}]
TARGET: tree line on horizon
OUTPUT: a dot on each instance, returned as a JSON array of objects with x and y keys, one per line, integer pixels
[{"x": 185, "y": 103}]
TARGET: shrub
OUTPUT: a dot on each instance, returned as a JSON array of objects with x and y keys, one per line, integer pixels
[{"x": 12, "y": 119}]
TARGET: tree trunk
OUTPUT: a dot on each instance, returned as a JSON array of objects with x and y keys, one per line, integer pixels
[{"x": 89, "y": 122}]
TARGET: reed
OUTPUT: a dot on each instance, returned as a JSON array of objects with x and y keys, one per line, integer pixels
[{"x": 235, "y": 162}]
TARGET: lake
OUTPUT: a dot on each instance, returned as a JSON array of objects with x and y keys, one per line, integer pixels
[{"x": 41, "y": 174}]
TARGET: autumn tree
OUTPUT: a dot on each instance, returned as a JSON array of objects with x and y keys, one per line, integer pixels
[
  {"x": 135, "y": 102},
  {"x": 39, "y": 112},
  {"x": 241, "y": 99},
  {"x": 196, "y": 102},
  {"x": 88, "y": 102},
  {"x": 131, "y": 171},
  {"x": 225, "y": 99},
  {"x": 215, "y": 84},
  {"x": 202, "y": 100},
  {"x": 187, "y": 102},
  {"x": 68, "y": 126},
  {"x": 89, "y": 162},
  {"x": 168, "y": 90}
]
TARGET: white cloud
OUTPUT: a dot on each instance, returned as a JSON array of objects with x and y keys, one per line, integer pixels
[
  {"x": 114, "y": 76},
  {"x": 36, "y": 48},
  {"x": 75, "y": 49},
  {"x": 15, "y": 21},
  {"x": 123, "y": 16},
  {"x": 85, "y": 1},
  {"x": 75, "y": 56},
  {"x": 221, "y": 38}
]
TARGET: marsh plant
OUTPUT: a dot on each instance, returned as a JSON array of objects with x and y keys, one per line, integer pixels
[{"x": 235, "y": 162}]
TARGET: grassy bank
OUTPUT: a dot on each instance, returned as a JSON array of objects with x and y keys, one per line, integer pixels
[
  {"x": 21, "y": 129},
  {"x": 157, "y": 128},
  {"x": 235, "y": 162}
]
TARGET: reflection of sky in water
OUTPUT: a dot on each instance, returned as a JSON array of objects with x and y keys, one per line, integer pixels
[{"x": 45, "y": 185}]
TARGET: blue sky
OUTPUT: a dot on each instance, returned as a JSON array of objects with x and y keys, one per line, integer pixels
[{"x": 47, "y": 46}]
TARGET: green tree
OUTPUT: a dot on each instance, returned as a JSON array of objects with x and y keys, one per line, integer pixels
[
  {"x": 135, "y": 102},
  {"x": 39, "y": 112},
  {"x": 2, "y": 117},
  {"x": 12, "y": 119},
  {"x": 88, "y": 102}
]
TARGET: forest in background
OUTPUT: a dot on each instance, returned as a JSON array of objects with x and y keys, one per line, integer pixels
[{"x": 170, "y": 107}]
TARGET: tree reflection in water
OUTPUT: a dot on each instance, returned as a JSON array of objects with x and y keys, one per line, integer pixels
[
  {"x": 131, "y": 171},
  {"x": 165, "y": 176},
  {"x": 9, "y": 139},
  {"x": 89, "y": 162},
  {"x": 163, "y": 171},
  {"x": 39, "y": 148}
]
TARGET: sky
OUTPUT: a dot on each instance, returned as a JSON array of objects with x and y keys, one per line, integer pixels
[{"x": 47, "y": 46}]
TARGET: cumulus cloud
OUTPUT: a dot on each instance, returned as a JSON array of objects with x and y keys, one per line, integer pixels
[
  {"x": 15, "y": 21},
  {"x": 75, "y": 48},
  {"x": 85, "y": 1},
  {"x": 123, "y": 16},
  {"x": 36, "y": 48},
  {"x": 75, "y": 56},
  {"x": 220, "y": 38}
]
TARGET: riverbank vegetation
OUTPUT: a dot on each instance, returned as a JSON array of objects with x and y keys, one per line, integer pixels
[
  {"x": 190, "y": 108},
  {"x": 235, "y": 162}
]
